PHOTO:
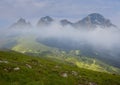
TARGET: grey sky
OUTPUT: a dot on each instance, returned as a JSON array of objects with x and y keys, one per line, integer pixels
[{"x": 32, "y": 10}]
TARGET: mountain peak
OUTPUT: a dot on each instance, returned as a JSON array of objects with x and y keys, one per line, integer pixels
[
  {"x": 93, "y": 20},
  {"x": 47, "y": 18},
  {"x": 21, "y": 23},
  {"x": 65, "y": 22},
  {"x": 45, "y": 21},
  {"x": 96, "y": 15}
]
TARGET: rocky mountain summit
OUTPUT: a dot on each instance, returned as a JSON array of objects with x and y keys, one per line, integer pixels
[
  {"x": 91, "y": 21},
  {"x": 94, "y": 20},
  {"x": 21, "y": 23},
  {"x": 45, "y": 21}
]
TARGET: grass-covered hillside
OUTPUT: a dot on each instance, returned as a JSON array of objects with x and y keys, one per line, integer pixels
[
  {"x": 20, "y": 69},
  {"x": 29, "y": 44}
]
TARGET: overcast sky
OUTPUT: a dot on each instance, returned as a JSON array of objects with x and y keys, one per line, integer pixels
[{"x": 32, "y": 10}]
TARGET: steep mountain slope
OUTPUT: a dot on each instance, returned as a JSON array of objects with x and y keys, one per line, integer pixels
[{"x": 19, "y": 69}]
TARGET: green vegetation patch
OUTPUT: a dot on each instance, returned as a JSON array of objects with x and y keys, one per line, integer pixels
[{"x": 20, "y": 69}]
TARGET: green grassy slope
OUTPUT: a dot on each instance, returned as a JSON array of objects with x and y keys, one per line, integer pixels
[
  {"x": 93, "y": 64},
  {"x": 29, "y": 44},
  {"x": 87, "y": 63},
  {"x": 20, "y": 69}
]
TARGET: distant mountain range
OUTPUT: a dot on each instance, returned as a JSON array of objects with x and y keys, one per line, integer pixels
[{"x": 93, "y": 20}]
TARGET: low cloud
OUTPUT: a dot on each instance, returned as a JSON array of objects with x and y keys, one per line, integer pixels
[
  {"x": 107, "y": 38},
  {"x": 104, "y": 41}
]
